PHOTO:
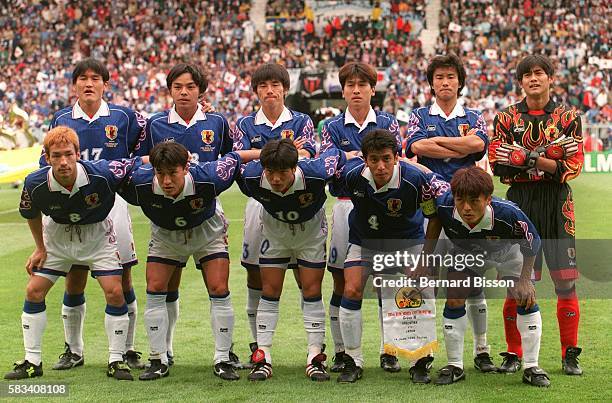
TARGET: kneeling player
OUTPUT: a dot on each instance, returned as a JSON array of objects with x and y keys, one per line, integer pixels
[
  {"x": 77, "y": 195},
  {"x": 293, "y": 225},
  {"x": 179, "y": 199},
  {"x": 479, "y": 224}
]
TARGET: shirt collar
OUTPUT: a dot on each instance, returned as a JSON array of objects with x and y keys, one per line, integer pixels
[
  {"x": 174, "y": 117},
  {"x": 81, "y": 180},
  {"x": 78, "y": 113},
  {"x": 548, "y": 108},
  {"x": 370, "y": 118},
  {"x": 262, "y": 119},
  {"x": 394, "y": 183},
  {"x": 298, "y": 184},
  {"x": 485, "y": 223},
  {"x": 188, "y": 189},
  {"x": 456, "y": 112}
]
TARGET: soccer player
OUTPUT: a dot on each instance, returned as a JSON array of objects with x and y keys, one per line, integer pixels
[
  {"x": 346, "y": 132},
  {"x": 446, "y": 137},
  {"x": 206, "y": 137},
  {"x": 537, "y": 149},
  {"x": 77, "y": 195},
  {"x": 293, "y": 195},
  {"x": 180, "y": 200},
  {"x": 387, "y": 195},
  {"x": 109, "y": 132},
  {"x": 273, "y": 120},
  {"x": 480, "y": 225}
]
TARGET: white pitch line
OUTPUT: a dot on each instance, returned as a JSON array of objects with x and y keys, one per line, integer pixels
[{"x": 9, "y": 211}]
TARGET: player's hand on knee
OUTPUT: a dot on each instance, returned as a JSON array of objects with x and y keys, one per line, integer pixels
[
  {"x": 36, "y": 259},
  {"x": 525, "y": 293}
]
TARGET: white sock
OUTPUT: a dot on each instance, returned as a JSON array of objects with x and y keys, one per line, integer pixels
[
  {"x": 173, "y": 314},
  {"x": 351, "y": 326},
  {"x": 530, "y": 328},
  {"x": 33, "y": 326},
  {"x": 477, "y": 314},
  {"x": 156, "y": 322},
  {"x": 454, "y": 333},
  {"x": 314, "y": 324},
  {"x": 382, "y": 329},
  {"x": 116, "y": 325},
  {"x": 131, "y": 334},
  {"x": 267, "y": 318},
  {"x": 73, "y": 318},
  {"x": 253, "y": 296},
  {"x": 222, "y": 323},
  {"x": 334, "y": 323}
]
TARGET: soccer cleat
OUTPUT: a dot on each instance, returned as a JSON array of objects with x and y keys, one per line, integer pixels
[
  {"x": 132, "y": 359},
  {"x": 120, "y": 371},
  {"x": 68, "y": 360},
  {"x": 316, "y": 369},
  {"x": 24, "y": 370},
  {"x": 170, "y": 359},
  {"x": 261, "y": 369},
  {"x": 338, "y": 362},
  {"x": 351, "y": 373},
  {"x": 235, "y": 361},
  {"x": 570, "y": 362},
  {"x": 226, "y": 371},
  {"x": 252, "y": 347},
  {"x": 419, "y": 373},
  {"x": 154, "y": 371},
  {"x": 450, "y": 374},
  {"x": 510, "y": 364},
  {"x": 483, "y": 363},
  {"x": 536, "y": 376},
  {"x": 389, "y": 363}
]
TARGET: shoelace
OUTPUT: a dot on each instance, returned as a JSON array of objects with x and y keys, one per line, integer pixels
[{"x": 76, "y": 228}]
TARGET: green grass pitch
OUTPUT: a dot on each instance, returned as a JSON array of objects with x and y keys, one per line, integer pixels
[{"x": 192, "y": 379}]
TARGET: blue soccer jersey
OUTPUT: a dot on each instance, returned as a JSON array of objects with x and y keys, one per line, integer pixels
[
  {"x": 114, "y": 132},
  {"x": 428, "y": 122},
  {"x": 204, "y": 182},
  {"x": 304, "y": 198},
  {"x": 255, "y": 130},
  {"x": 90, "y": 200},
  {"x": 206, "y": 136},
  {"x": 342, "y": 132},
  {"x": 395, "y": 210},
  {"x": 502, "y": 225}
]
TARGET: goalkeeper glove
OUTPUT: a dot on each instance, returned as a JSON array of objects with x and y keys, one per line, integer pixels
[
  {"x": 560, "y": 150},
  {"x": 516, "y": 156}
]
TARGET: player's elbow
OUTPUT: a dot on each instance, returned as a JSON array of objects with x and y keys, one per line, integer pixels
[{"x": 417, "y": 148}]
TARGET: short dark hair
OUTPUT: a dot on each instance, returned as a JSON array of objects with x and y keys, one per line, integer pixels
[
  {"x": 530, "y": 62},
  {"x": 471, "y": 182},
  {"x": 270, "y": 71},
  {"x": 168, "y": 155},
  {"x": 449, "y": 60},
  {"x": 90, "y": 64},
  {"x": 280, "y": 154},
  {"x": 360, "y": 70},
  {"x": 197, "y": 74},
  {"x": 378, "y": 140}
]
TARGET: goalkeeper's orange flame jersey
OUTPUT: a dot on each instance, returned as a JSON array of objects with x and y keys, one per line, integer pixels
[{"x": 531, "y": 130}]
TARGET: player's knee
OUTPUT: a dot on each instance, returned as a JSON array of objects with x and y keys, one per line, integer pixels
[
  {"x": 353, "y": 291},
  {"x": 311, "y": 290},
  {"x": 271, "y": 291},
  {"x": 455, "y": 302},
  {"x": 218, "y": 289},
  {"x": 253, "y": 279},
  {"x": 563, "y": 285},
  {"x": 114, "y": 294},
  {"x": 35, "y": 293}
]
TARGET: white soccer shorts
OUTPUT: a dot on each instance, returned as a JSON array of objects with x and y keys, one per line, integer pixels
[
  {"x": 338, "y": 244},
  {"x": 123, "y": 228}
]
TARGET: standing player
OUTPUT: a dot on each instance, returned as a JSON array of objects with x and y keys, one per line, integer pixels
[
  {"x": 479, "y": 224},
  {"x": 345, "y": 132},
  {"x": 446, "y": 137},
  {"x": 293, "y": 226},
  {"x": 109, "y": 132},
  {"x": 180, "y": 200},
  {"x": 536, "y": 149},
  {"x": 77, "y": 195},
  {"x": 273, "y": 121}
]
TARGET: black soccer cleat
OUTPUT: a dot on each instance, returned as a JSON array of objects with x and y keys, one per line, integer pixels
[
  {"x": 154, "y": 371},
  {"x": 536, "y": 376},
  {"x": 261, "y": 369},
  {"x": 510, "y": 364},
  {"x": 316, "y": 370},
  {"x": 338, "y": 362},
  {"x": 132, "y": 359},
  {"x": 170, "y": 359},
  {"x": 24, "y": 370},
  {"x": 120, "y": 371},
  {"x": 68, "y": 360},
  {"x": 235, "y": 361},
  {"x": 570, "y": 362},
  {"x": 351, "y": 373},
  {"x": 389, "y": 363},
  {"x": 484, "y": 364},
  {"x": 226, "y": 371},
  {"x": 450, "y": 374},
  {"x": 419, "y": 373}
]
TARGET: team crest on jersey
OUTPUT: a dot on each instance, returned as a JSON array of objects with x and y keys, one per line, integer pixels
[
  {"x": 111, "y": 132},
  {"x": 306, "y": 199},
  {"x": 197, "y": 204},
  {"x": 92, "y": 200},
  {"x": 463, "y": 128},
  {"x": 208, "y": 136},
  {"x": 287, "y": 134},
  {"x": 408, "y": 297},
  {"x": 394, "y": 206}
]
